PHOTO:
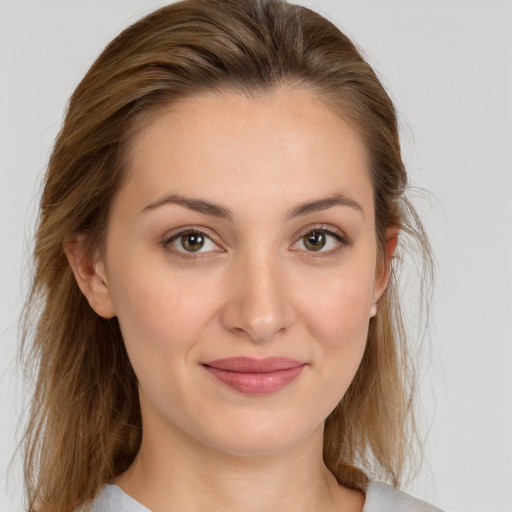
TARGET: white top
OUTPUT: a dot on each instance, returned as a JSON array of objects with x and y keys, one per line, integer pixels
[{"x": 380, "y": 497}]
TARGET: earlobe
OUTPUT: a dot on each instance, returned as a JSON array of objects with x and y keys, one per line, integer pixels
[{"x": 89, "y": 273}]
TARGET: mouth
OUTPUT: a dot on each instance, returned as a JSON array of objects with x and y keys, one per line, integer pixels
[{"x": 255, "y": 376}]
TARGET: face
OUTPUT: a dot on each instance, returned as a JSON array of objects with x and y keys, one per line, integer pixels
[{"x": 240, "y": 261}]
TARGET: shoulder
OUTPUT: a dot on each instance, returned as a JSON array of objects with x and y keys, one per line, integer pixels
[
  {"x": 113, "y": 499},
  {"x": 381, "y": 497}
]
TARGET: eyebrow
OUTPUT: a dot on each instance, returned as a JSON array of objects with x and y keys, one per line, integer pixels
[
  {"x": 216, "y": 210},
  {"x": 197, "y": 205},
  {"x": 323, "y": 204}
]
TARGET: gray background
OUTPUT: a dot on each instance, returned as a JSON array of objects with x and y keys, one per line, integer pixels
[{"x": 448, "y": 67}]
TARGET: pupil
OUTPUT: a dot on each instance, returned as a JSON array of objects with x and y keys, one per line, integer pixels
[
  {"x": 316, "y": 240},
  {"x": 192, "y": 241}
]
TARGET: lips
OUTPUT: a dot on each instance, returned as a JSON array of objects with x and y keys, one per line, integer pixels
[{"x": 255, "y": 376}]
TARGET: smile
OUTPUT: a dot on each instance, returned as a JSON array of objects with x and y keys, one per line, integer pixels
[{"x": 255, "y": 376}]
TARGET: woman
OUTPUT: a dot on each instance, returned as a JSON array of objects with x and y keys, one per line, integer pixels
[{"x": 220, "y": 326}]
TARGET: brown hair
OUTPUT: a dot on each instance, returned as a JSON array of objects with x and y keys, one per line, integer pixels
[{"x": 85, "y": 422}]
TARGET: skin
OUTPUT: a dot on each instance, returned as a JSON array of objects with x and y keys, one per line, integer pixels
[{"x": 254, "y": 289}]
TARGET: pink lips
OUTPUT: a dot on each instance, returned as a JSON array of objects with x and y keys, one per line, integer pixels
[{"x": 255, "y": 376}]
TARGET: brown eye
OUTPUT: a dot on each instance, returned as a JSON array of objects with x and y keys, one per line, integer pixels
[
  {"x": 314, "y": 240},
  {"x": 192, "y": 242},
  {"x": 321, "y": 240},
  {"x": 188, "y": 242}
]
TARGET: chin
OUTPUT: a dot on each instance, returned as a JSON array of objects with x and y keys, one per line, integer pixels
[{"x": 260, "y": 438}]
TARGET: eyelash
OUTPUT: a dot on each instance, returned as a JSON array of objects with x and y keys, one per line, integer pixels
[{"x": 166, "y": 242}]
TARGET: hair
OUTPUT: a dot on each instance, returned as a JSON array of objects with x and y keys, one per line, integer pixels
[{"x": 85, "y": 421}]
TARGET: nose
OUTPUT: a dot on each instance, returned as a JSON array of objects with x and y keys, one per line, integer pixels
[{"x": 258, "y": 305}]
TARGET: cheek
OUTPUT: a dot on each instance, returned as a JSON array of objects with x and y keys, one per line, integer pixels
[
  {"x": 338, "y": 319},
  {"x": 161, "y": 314},
  {"x": 338, "y": 313}
]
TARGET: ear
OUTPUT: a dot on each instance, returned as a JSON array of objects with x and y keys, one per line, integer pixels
[
  {"x": 384, "y": 269},
  {"x": 89, "y": 272}
]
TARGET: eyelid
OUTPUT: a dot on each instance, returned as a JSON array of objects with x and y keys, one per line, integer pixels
[
  {"x": 323, "y": 227},
  {"x": 339, "y": 235},
  {"x": 167, "y": 239}
]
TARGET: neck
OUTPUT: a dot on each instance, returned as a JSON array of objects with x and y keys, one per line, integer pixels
[{"x": 174, "y": 472}]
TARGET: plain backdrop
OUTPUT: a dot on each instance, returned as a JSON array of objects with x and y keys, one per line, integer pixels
[{"x": 448, "y": 66}]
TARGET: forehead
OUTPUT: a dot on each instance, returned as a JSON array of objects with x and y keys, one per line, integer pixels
[{"x": 286, "y": 145}]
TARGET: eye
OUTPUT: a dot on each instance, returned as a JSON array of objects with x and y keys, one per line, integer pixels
[
  {"x": 321, "y": 240},
  {"x": 190, "y": 241}
]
